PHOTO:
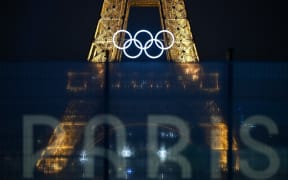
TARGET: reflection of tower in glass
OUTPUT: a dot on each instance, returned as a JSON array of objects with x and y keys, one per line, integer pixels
[
  {"x": 62, "y": 144},
  {"x": 188, "y": 78},
  {"x": 217, "y": 136}
]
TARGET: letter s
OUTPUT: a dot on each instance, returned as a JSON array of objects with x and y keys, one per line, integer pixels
[{"x": 259, "y": 147}]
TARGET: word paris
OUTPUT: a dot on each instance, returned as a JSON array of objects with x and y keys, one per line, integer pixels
[
  {"x": 139, "y": 44},
  {"x": 173, "y": 153}
]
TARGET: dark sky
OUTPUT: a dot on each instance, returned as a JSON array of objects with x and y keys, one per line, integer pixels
[{"x": 63, "y": 29}]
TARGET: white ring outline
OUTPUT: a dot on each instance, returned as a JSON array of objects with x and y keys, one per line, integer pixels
[
  {"x": 143, "y": 31},
  {"x": 140, "y": 52},
  {"x": 165, "y": 31},
  {"x": 150, "y": 56},
  {"x": 119, "y": 31}
]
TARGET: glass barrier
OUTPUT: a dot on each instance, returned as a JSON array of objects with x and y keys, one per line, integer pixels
[{"x": 144, "y": 120}]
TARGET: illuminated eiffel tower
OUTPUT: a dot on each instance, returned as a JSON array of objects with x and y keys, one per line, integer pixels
[{"x": 115, "y": 14}]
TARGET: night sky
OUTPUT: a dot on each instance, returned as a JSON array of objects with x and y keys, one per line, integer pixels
[{"x": 63, "y": 30}]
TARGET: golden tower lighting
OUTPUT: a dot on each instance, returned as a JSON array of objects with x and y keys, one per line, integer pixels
[{"x": 114, "y": 16}]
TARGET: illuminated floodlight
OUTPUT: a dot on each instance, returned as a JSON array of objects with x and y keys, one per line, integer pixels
[
  {"x": 126, "y": 152},
  {"x": 129, "y": 171},
  {"x": 162, "y": 153},
  {"x": 83, "y": 157}
]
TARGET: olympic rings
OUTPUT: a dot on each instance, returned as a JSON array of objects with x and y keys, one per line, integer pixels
[{"x": 138, "y": 44}]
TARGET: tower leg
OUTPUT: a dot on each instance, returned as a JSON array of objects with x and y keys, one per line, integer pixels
[
  {"x": 111, "y": 20},
  {"x": 175, "y": 20}
]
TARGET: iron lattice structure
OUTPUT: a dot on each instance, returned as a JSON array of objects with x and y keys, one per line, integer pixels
[{"x": 114, "y": 16}]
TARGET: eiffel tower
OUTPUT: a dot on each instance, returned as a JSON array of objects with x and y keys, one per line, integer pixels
[{"x": 115, "y": 14}]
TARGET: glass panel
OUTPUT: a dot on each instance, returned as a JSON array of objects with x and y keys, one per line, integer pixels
[
  {"x": 260, "y": 94},
  {"x": 153, "y": 120}
]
